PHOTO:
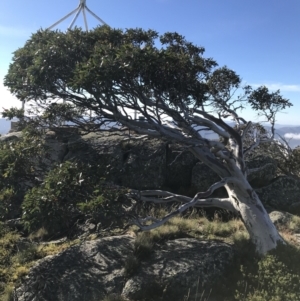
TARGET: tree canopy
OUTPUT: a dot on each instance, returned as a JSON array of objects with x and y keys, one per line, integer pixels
[{"x": 166, "y": 80}]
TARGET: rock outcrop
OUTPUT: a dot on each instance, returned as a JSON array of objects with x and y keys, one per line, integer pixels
[
  {"x": 155, "y": 164},
  {"x": 94, "y": 269},
  {"x": 178, "y": 268},
  {"x": 263, "y": 171},
  {"x": 283, "y": 194}
]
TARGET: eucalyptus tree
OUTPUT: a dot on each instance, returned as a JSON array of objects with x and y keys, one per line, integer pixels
[{"x": 178, "y": 92}]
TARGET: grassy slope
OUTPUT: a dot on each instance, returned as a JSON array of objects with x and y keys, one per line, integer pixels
[{"x": 271, "y": 278}]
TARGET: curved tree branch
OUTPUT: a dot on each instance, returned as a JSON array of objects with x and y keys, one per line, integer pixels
[{"x": 197, "y": 200}]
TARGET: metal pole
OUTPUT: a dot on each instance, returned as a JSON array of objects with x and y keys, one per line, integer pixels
[
  {"x": 64, "y": 18},
  {"x": 99, "y": 19},
  {"x": 85, "y": 21},
  {"x": 75, "y": 18},
  {"x": 81, "y": 7}
]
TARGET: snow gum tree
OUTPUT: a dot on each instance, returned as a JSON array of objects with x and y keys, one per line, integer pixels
[{"x": 178, "y": 92}]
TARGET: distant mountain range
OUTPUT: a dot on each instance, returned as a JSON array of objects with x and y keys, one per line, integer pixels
[{"x": 289, "y": 132}]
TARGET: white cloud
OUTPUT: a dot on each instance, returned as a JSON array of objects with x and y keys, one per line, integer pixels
[
  {"x": 292, "y": 136},
  {"x": 7, "y": 100},
  {"x": 279, "y": 86}
]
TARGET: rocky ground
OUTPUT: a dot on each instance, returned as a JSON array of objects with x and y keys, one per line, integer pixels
[{"x": 193, "y": 257}]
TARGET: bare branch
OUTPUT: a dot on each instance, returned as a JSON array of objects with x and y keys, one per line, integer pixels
[
  {"x": 196, "y": 201},
  {"x": 224, "y": 203},
  {"x": 202, "y": 121}
]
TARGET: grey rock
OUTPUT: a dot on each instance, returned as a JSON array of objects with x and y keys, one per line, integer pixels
[
  {"x": 144, "y": 165},
  {"x": 203, "y": 177},
  {"x": 56, "y": 149},
  {"x": 94, "y": 269},
  {"x": 179, "y": 166},
  {"x": 282, "y": 194},
  {"x": 11, "y": 136},
  {"x": 295, "y": 207},
  {"x": 179, "y": 268},
  {"x": 86, "y": 272},
  {"x": 266, "y": 171}
]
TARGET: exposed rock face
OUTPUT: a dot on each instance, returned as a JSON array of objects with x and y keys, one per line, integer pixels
[
  {"x": 282, "y": 194},
  {"x": 179, "y": 168},
  {"x": 153, "y": 164},
  {"x": 94, "y": 269},
  {"x": 264, "y": 176},
  {"x": 174, "y": 271},
  {"x": 11, "y": 136},
  {"x": 87, "y": 272},
  {"x": 203, "y": 177},
  {"x": 144, "y": 164}
]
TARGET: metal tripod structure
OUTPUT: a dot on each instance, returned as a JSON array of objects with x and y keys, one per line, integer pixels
[{"x": 82, "y": 7}]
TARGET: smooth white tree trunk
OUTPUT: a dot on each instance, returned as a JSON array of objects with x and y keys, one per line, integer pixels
[{"x": 262, "y": 231}]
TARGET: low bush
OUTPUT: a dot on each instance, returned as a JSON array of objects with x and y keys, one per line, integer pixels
[
  {"x": 21, "y": 163},
  {"x": 68, "y": 192},
  {"x": 274, "y": 277},
  {"x": 52, "y": 205}
]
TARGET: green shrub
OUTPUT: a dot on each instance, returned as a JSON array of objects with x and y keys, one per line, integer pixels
[
  {"x": 29, "y": 254},
  {"x": 8, "y": 294},
  {"x": 143, "y": 245},
  {"x": 69, "y": 191},
  {"x": 53, "y": 204},
  {"x": 274, "y": 277},
  {"x": 21, "y": 162}
]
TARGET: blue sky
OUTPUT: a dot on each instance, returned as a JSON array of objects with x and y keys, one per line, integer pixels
[{"x": 258, "y": 39}]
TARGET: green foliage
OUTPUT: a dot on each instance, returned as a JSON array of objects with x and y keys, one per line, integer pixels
[
  {"x": 74, "y": 57},
  {"x": 261, "y": 99},
  {"x": 13, "y": 113},
  {"x": 8, "y": 294},
  {"x": 69, "y": 190},
  {"x": 53, "y": 204},
  {"x": 288, "y": 163},
  {"x": 274, "y": 277},
  {"x": 8, "y": 198},
  {"x": 92, "y": 205},
  {"x": 128, "y": 64},
  {"x": 28, "y": 254},
  {"x": 20, "y": 165},
  {"x": 143, "y": 245}
]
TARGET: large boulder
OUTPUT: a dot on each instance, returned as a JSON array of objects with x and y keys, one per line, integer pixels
[
  {"x": 263, "y": 171},
  {"x": 56, "y": 148},
  {"x": 179, "y": 169},
  {"x": 282, "y": 194},
  {"x": 181, "y": 267},
  {"x": 86, "y": 272},
  {"x": 11, "y": 136},
  {"x": 144, "y": 164},
  {"x": 203, "y": 177},
  {"x": 94, "y": 269}
]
